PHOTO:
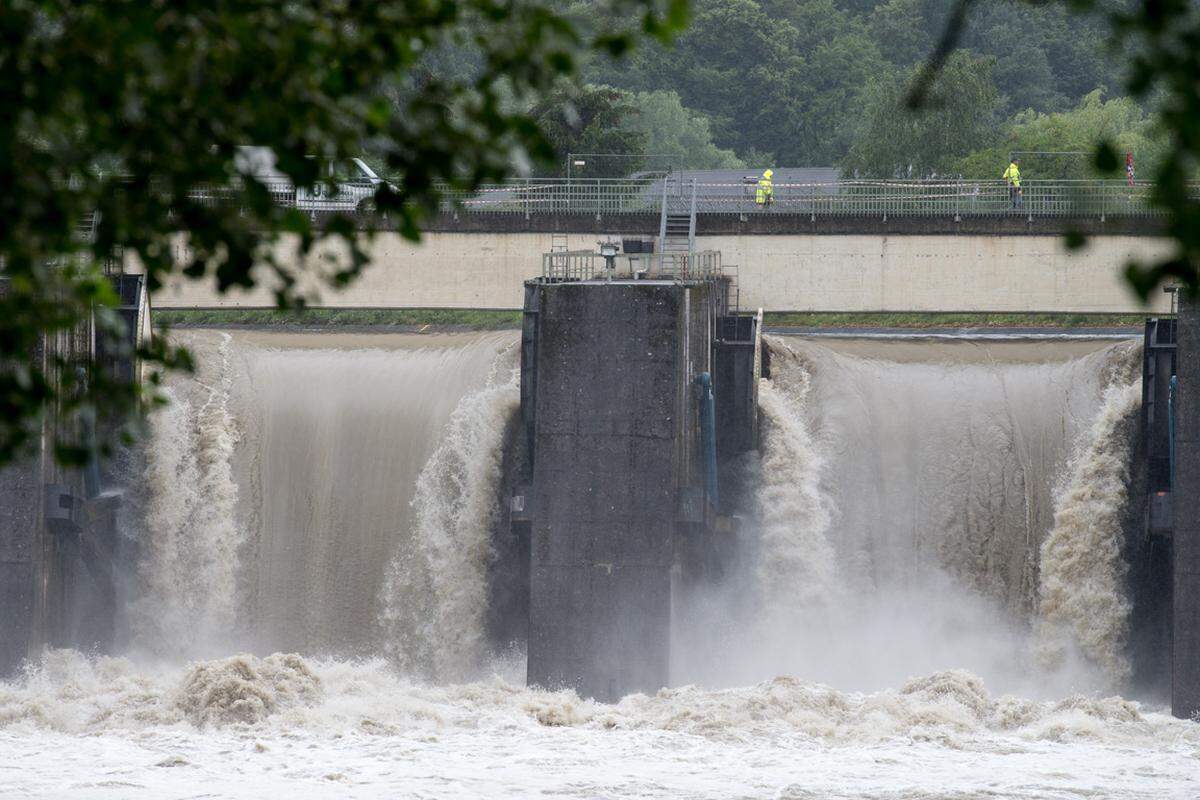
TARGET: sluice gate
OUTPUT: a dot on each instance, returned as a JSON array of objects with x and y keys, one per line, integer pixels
[
  {"x": 59, "y": 542},
  {"x": 1165, "y": 558}
]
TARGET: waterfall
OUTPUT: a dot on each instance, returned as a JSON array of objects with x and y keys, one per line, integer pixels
[
  {"x": 188, "y": 563},
  {"x": 920, "y": 489},
  {"x": 435, "y": 592},
  {"x": 291, "y": 469},
  {"x": 1083, "y": 601}
]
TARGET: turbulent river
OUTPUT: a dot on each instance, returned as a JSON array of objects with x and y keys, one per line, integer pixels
[{"x": 930, "y": 604}]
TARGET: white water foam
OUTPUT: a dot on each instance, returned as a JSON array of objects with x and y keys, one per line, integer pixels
[
  {"x": 797, "y": 576},
  {"x": 435, "y": 591},
  {"x": 246, "y": 727},
  {"x": 280, "y": 484},
  {"x": 904, "y": 499},
  {"x": 1082, "y": 595},
  {"x": 190, "y": 536}
]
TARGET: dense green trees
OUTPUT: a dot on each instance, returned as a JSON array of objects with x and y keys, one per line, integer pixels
[
  {"x": 1076, "y": 133},
  {"x": 808, "y": 82},
  {"x": 680, "y": 134},
  {"x": 591, "y": 119},
  {"x": 961, "y": 118},
  {"x": 166, "y": 92}
]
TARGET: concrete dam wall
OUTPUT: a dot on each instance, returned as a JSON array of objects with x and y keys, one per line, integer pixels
[
  {"x": 341, "y": 494},
  {"x": 786, "y": 272}
]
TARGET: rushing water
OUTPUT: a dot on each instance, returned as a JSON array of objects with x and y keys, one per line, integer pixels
[
  {"x": 930, "y": 602},
  {"x": 288, "y": 474},
  {"x": 907, "y": 497}
]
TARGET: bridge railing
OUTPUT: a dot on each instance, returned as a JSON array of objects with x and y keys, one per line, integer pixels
[
  {"x": 581, "y": 196},
  {"x": 1038, "y": 198}
]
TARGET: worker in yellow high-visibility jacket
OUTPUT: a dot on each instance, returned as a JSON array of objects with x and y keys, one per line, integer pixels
[
  {"x": 1013, "y": 176},
  {"x": 765, "y": 194}
]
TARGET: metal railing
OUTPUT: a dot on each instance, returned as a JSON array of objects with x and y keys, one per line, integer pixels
[
  {"x": 586, "y": 265},
  {"x": 673, "y": 194},
  {"x": 956, "y": 198},
  {"x": 592, "y": 196}
]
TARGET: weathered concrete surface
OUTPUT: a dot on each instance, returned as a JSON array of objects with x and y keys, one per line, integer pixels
[
  {"x": 614, "y": 442},
  {"x": 778, "y": 222},
  {"x": 811, "y": 272},
  {"x": 1185, "y": 688},
  {"x": 20, "y": 561}
]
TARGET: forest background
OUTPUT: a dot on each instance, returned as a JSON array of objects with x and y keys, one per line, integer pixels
[{"x": 820, "y": 83}]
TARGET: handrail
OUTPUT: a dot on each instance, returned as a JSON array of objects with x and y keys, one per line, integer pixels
[
  {"x": 583, "y": 265},
  {"x": 662, "y": 225},
  {"x": 857, "y": 197},
  {"x": 955, "y": 198},
  {"x": 692, "y": 224}
]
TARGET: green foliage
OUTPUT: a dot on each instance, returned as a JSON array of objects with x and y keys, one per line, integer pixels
[
  {"x": 790, "y": 77},
  {"x": 1166, "y": 37},
  {"x": 1120, "y": 121},
  {"x": 777, "y": 77},
  {"x": 670, "y": 129},
  {"x": 592, "y": 120},
  {"x": 960, "y": 117},
  {"x": 946, "y": 320},
  {"x": 1161, "y": 39},
  {"x": 402, "y": 319},
  {"x": 164, "y": 93}
]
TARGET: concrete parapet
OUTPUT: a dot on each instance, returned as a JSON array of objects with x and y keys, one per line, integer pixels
[
  {"x": 867, "y": 272},
  {"x": 781, "y": 223}
]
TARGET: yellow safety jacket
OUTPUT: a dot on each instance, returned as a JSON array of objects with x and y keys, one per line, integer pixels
[
  {"x": 1013, "y": 176},
  {"x": 765, "y": 191}
]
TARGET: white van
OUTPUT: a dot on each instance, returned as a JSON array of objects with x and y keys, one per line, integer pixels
[{"x": 355, "y": 182}]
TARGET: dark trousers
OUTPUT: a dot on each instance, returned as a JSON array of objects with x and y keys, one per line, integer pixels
[{"x": 1014, "y": 194}]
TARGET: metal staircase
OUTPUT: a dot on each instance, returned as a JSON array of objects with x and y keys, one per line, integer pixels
[{"x": 677, "y": 230}]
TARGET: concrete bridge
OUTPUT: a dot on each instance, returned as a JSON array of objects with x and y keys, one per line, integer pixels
[{"x": 847, "y": 247}]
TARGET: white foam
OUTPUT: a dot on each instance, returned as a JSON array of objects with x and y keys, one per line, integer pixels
[
  {"x": 1082, "y": 593},
  {"x": 435, "y": 591},
  {"x": 247, "y": 727}
]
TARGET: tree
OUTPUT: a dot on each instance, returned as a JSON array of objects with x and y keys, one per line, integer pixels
[
  {"x": 670, "y": 129},
  {"x": 1163, "y": 63},
  {"x": 903, "y": 29},
  {"x": 593, "y": 120},
  {"x": 129, "y": 109},
  {"x": 1120, "y": 121},
  {"x": 960, "y": 117},
  {"x": 734, "y": 63}
]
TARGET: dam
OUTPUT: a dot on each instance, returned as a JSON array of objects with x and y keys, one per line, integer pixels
[
  {"x": 370, "y": 531},
  {"x": 348, "y": 497},
  {"x": 641, "y": 516}
]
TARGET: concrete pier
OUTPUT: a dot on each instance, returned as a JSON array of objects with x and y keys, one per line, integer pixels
[
  {"x": 20, "y": 562},
  {"x": 618, "y": 473},
  {"x": 1185, "y": 679}
]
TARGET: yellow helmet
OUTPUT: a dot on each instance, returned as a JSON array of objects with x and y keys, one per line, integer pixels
[{"x": 768, "y": 174}]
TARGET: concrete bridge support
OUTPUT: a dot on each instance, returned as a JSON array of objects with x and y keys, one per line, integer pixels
[
  {"x": 612, "y": 411},
  {"x": 1185, "y": 680}
]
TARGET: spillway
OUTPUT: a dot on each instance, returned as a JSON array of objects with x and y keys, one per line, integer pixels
[
  {"x": 286, "y": 488},
  {"x": 919, "y": 504},
  {"x": 928, "y": 575}
]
